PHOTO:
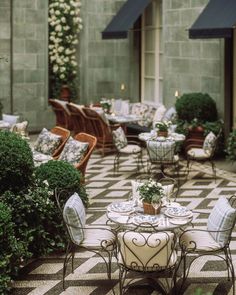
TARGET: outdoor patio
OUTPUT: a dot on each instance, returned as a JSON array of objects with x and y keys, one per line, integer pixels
[{"x": 44, "y": 275}]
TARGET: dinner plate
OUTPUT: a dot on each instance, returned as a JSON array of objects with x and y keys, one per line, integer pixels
[
  {"x": 178, "y": 212},
  {"x": 121, "y": 207},
  {"x": 178, "y": 221},
  {"x": 145, "y": 218}
]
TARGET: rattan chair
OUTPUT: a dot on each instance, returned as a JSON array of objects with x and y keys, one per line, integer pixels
[
  {"x": 100, "y": 128},
  {"x": 92, "y": 141},
  {"x": 77, "y": 119},
  {"x": 215, "y": 240},
  {"x": 97, "y": 239},
  {"x": 61, "y": 112},
  {"x": 149, "y": 255},
  {"x": 65, "y": 134}
]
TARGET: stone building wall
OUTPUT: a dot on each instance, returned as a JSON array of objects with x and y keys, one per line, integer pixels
[
  {"x": 29, "y": 61},
  {"x": 190, "y": 65}
]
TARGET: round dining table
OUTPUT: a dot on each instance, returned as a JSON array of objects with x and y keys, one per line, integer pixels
[{"x": 128, "y": 215}]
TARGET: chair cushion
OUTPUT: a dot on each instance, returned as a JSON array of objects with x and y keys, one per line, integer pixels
[
  {"x": 135, "y": 193},
  {"x": 169, "y": 115},
  {"x": 73, "y": 151},
  {"x": 145, "y": 111},
  {"x": 40, "y": 158},
  {"x": 75, "y": 218},
  {"x": 209, "y": 143},
  {"x": 47, "y": 142},
  {"x": 20, "y": 128},
  {"x": 159, "y": 113},
  {"x": 222, "y": 217},
  {"x": 98, "y": 238},
  {"x": 146, "y": 251},
  {"x": 197, "y": 153},
  {"x": 119, "y": 138},
  {"x": 131, "y": 149},
  {"x": 161, "y": 151},
  {"x": 199, "y": 241}
]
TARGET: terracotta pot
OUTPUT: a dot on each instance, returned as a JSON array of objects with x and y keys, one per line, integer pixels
[
  {"x": 65, "y": 93},
  {"x": 149, "y": 209},
  {"x": 162, "y": 133}
]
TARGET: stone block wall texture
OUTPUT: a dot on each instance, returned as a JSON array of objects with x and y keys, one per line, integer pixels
[
  {"x": 189, "y": 65},
  {"x": 106, "y": 64},
  {"x": 29, "y": 63}
]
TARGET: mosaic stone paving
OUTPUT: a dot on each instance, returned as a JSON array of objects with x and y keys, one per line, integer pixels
[{"x": 200, "y": 191}]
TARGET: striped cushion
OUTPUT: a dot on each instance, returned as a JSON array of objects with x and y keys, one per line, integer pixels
[
  {"x": 75, "y": 217},
  {"x": 222, "y": 217},
  {"x": 161, "y": 151}
]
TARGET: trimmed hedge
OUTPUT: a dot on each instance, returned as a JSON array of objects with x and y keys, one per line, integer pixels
[
  {"x": 16, "y": 163},
  {"x": 198, "y": 106}
]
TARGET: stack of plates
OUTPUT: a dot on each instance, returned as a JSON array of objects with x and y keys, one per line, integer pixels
[
  {"x": 180, "y": 211},
  {"x": 121, "y": 207}
]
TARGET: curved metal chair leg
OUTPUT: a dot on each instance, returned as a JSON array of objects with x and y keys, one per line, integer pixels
[
  {"x": 65, "y": 263},
  {"x": 122, "y": 275}
]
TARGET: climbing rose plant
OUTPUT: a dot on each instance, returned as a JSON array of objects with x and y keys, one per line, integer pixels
[{"x": 65, "y": 24}]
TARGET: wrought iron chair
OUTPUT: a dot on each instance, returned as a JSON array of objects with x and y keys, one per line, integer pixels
[
  {"x": 101, "y": 129},
  {"x": 92, "y": 141},
  {"x": 148, "y": 255},
  {"x": 77, "y": 118},
  {"x": 215, "y": 240},
  {"x": 61, "y": 112},
  {"x": 202, "y": 151},
  {"x": 125, "y": 145},
  {"x": 162, "y": 154},
  {"x": 97, "y": 239}
]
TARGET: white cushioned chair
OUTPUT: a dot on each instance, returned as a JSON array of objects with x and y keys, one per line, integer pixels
[
  {"x": 125, "y": 146},
  {"x": 214, "y": 240},
  {"x": 146, "y": 254},
  {"x": 97, "y": 239},
  {"x": 202, "y": 152}
]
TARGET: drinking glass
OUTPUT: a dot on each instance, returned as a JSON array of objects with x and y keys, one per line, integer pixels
[{"x": 155, "y": 205}]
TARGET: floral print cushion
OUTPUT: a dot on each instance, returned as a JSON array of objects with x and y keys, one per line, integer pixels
[
  {"x": 73, "y": 151},
  {"x": 119, "y": 138},
  {"x": 47, "y": 142},
  {"x": 145, "y": 111},
  {"x": 209, "y": 143}
]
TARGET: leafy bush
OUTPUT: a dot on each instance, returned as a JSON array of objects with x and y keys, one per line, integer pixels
[
  {"x": 196, "y": 105},
  {"x": 62, "y": 176},
  {"x": 231, "y": 146},
  {"x": 11, "y": 250},
  {"x": 38, "y": 221},
  {"x": 16, "y": 162}
]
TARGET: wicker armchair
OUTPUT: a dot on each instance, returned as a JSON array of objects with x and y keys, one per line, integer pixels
[
  {"x": 100, "y": 128},
  {"x": 65, "y": 134},
  {"x": 84, "y": 137},
  {"x": 61, "y": 112},
  {"x": 77, "y": 119}
]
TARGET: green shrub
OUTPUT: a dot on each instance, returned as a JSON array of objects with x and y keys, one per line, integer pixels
[
  {"x": 62, "y": 176},
  {"x": 38, "y": 221},
  {"x": 11, "y": 251},
  {"x": 231, "y": 146},
  {"x": 196, "y": 105},
  {"x": 16, "y": 162}
]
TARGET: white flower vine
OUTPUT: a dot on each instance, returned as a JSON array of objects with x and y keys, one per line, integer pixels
[{"x": 65, "y": 24}]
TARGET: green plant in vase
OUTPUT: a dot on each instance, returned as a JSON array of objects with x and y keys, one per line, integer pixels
[
  {"x": 106, "y": 105},
  {"x": 162, "y": 128}
]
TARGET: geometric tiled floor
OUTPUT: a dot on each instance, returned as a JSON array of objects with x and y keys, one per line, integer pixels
[{"x": 200, "y": 191}]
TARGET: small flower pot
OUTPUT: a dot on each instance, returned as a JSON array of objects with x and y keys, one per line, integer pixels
[
  {"x": 162, "y": 133},
  {"x": 149, "y": 209}
]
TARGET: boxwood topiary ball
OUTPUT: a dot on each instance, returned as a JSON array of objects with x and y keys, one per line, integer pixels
[{"x": 16, "y": 162}]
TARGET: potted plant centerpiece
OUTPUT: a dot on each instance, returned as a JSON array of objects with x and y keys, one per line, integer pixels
[
  {"x": 162, "y": 128},
  {"x": 151, "y": 194},
  {"x": 106, "y": 105}
]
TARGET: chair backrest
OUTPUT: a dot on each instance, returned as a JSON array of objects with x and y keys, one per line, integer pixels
[
  {"x": 74, "y": 216},
  {"x": 222, "y": 219},
  {"x": 92, "y": 141},
  {"x": 65, "y": 134},
  {"x": 78, "y": 121},
  {"x": 61, "y": 112},
  {"x": 146, "y": 251},
  {"x": 161, "y": 151}
]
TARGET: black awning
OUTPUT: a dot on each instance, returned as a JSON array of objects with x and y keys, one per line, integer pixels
[
  {"x": 216, "y": 21},
  {"x": 124, "y": 19}
]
